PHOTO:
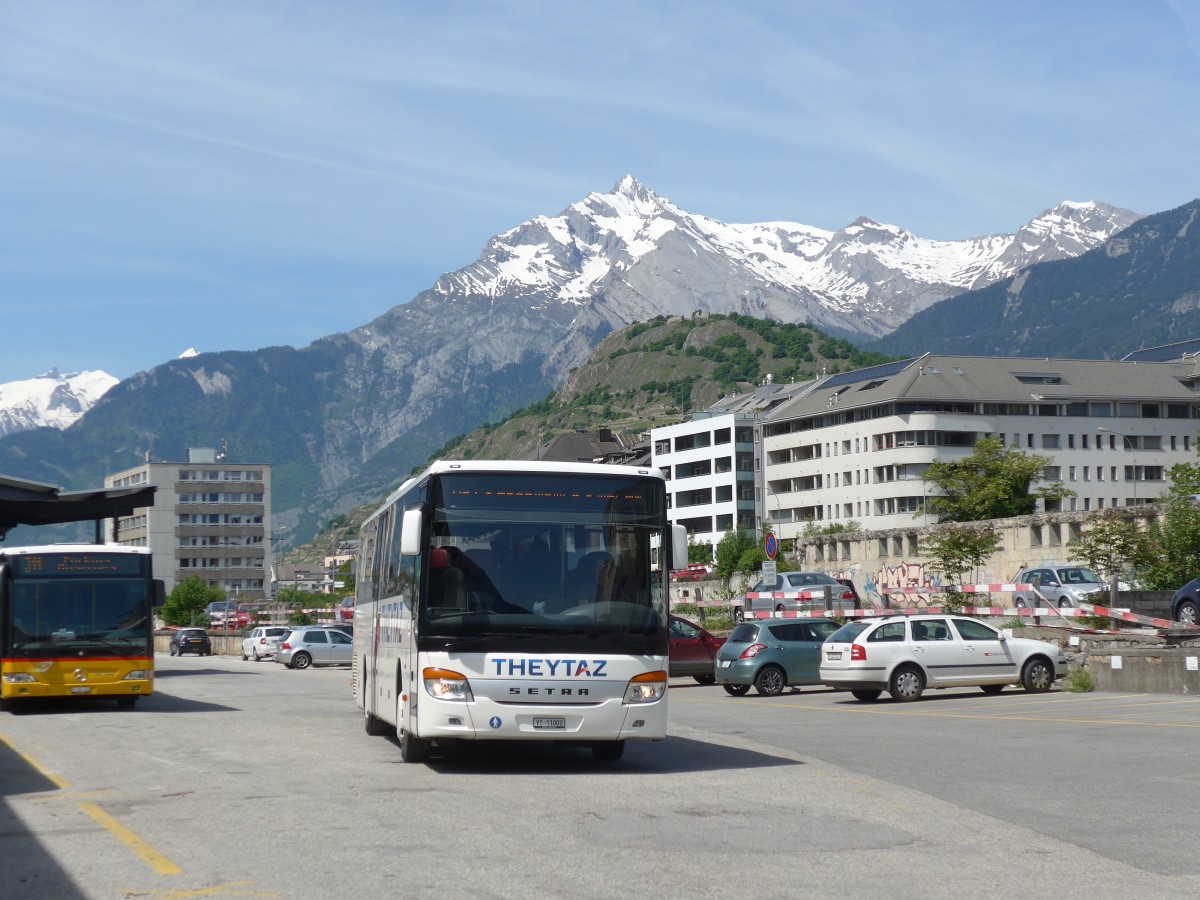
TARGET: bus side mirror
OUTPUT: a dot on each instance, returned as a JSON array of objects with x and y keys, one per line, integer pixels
[
  {"x": 411, "y": 529},
  {"x": 160, "y": 592},
  {"x": 679, "y": 547}
]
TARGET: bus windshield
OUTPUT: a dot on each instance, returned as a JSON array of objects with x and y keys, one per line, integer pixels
[
  {"x": 52, "y": 612},
  {"x": 531, "y": 557}
]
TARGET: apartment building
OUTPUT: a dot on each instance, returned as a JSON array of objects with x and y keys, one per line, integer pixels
[
  {"x": 711, "y": 464},
  {"x": 856, "y": 446},
  {"x": 211, "y": 517}
]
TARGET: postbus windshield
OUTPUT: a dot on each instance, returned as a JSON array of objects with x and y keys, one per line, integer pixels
[
  {"x": 535, "y": 557},
  {"x": 98, "y": 602}
]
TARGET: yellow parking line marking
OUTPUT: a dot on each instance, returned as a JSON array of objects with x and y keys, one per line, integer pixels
[
  {"x": 156, "y": 860},
  {"x": 58, "y": 782},
  {"x": 152, "y": 857}
]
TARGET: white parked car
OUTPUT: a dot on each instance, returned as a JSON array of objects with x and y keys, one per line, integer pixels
[
  {"x": 262, "y": 641},
  {"x": 904, "y": 655}
]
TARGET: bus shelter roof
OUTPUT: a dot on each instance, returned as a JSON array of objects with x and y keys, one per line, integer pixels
[{"x": 33, "y": 503}]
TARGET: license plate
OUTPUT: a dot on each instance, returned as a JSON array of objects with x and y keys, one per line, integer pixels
[
  {"x": 81, "y": 690},
  {"x": 724, "y": 663},
  {"x": 550, "y": 722},
  {"x": 833, "y": 654}
]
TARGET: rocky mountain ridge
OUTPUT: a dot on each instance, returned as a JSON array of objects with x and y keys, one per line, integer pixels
[{"x": 343, "y": 419}]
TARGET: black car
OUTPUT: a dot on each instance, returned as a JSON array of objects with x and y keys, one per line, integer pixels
[
  {"x": 1185, "y": 605},
  {"x": 190, "y": 640}
]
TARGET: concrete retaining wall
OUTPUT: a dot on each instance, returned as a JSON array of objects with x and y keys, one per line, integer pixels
[{"x": 224, "y": 643}]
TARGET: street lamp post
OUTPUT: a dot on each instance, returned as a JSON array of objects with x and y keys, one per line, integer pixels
[{"x": 1127, "y": 443}]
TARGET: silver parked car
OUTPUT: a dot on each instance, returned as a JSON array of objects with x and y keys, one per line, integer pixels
[
  {"x": 315, "y": 646},
  {"x": 1061, "y": 586},
  {"x": 262, "y": 641},
  {"x": 841, "y": 593}
]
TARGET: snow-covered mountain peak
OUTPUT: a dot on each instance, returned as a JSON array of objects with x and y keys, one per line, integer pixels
[
  {"x": 51, "y": 399},
  {"x": 626, "y": 247}
]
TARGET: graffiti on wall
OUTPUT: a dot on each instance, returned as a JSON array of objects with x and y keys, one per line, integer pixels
[{"x": 875, "y": 585}]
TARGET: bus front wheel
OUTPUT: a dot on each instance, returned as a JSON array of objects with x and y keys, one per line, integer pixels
[{"x": 413, "y": 749}]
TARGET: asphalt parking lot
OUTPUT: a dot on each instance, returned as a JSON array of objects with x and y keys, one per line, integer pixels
[
  {"x": 1113, "y": 771},
  {"x": 245, "y": 779}
]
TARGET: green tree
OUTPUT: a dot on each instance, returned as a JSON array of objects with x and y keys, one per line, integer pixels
[
  {"x": 1112, "y": 544},
  {"x": 955, "y": 550},
  {"x": 187, "y": 604},
  {"x": 1170, "y": 545},
  {"x": 699, "y": 553},
  {"x": 751, "y": 560},
  {"x": 730, "y": 549},
  {"x": 994, "y": 482},
  {"x": 295, "y": 600}
]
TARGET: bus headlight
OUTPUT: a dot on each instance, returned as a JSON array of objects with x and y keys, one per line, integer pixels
[
  {"x": 445, "y": 684},
  {"x": 647, "y": 687},
  {"x": 139, "y": 675},
  {"x": 18, "y": 678}
]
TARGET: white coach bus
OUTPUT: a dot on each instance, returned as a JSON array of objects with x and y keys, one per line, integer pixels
[{"x": 516, "y": 601}]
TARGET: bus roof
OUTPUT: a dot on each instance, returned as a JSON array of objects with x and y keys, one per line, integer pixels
[
  {"x": 73, "y": 548},
  {"x": 442, "y": 466}
]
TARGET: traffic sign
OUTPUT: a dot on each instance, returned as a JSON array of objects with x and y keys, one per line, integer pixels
[{"x": 770, "y": 545}]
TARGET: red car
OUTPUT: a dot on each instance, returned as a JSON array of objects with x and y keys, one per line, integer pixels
[
  {"x": 694, "y": 572},
  {"x": 345, "y": 612},
  {"x": 693, "y": 651},
  {"x": 247, "y": 613}
]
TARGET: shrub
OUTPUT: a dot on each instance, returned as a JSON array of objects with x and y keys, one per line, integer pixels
[{"x": 1079, "y": 682}]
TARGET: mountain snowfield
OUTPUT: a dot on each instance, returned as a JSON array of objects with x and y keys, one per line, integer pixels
[
  {"x": 863, "y": 280},
  {"x": 51, "y": 400}
]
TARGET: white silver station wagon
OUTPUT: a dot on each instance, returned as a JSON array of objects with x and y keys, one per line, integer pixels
[{"x": 904, "y": 655}]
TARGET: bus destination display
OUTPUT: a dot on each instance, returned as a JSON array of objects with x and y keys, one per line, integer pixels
[{"x": 66, "y": 564}]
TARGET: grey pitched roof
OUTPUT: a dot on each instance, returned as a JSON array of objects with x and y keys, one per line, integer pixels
[
  {"x": 589, "y": 446},
  {"x": 997, "y": 379}
]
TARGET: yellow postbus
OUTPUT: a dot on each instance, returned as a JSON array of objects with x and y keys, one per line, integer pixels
[{"x": 77, "y": 620}]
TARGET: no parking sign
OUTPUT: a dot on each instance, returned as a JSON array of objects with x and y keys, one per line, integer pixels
[{"x": 770, "y": 545}]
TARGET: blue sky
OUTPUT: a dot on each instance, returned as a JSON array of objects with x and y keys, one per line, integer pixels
[{"x": 234, "y": 175}]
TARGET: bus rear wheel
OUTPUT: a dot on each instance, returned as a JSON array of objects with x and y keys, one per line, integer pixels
[
  {"x": 376, "y": 727},
  {"x": 608, "y": 751}
]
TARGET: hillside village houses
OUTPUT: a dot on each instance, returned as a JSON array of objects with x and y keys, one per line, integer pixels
[{"x": 854, "y": 446}]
